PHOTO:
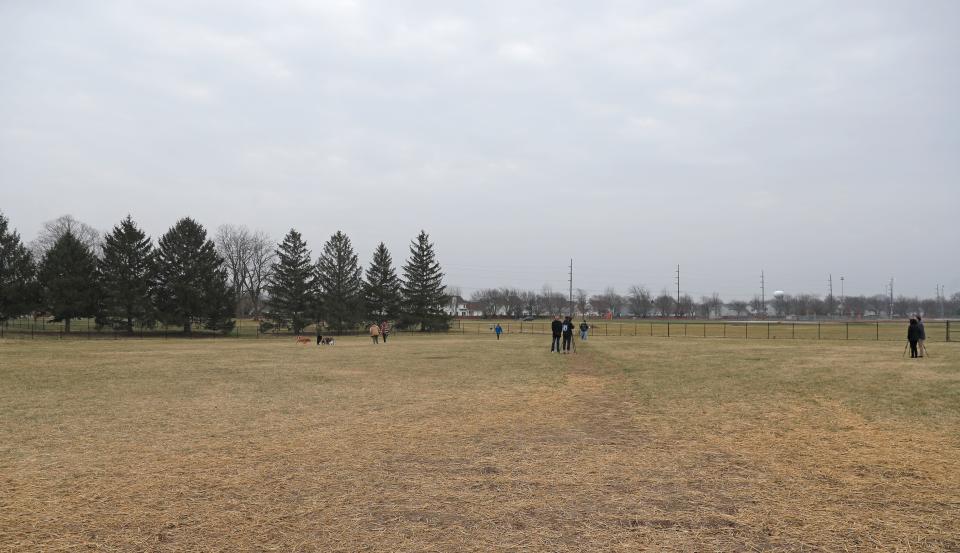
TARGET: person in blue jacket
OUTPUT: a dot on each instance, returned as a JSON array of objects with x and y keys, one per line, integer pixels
[{"x": 499, "y": 330}]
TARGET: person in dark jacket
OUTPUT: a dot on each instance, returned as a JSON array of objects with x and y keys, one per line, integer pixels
[
  {"x": 922, "y": 344},
  {"x": 556, "y": 327},
  {"x": 567, "y": 330},
  {"x": 584, "y": 328},
  {"x": 913, "y": 336}
]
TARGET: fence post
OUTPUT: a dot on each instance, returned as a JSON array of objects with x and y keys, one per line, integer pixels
[
  {"x": 948, "y": 331},
  {"x": 668, "y": 329},
  {"x": 621, "y": 329},
  {"x": 878, "y": 330},
  {"x": 768, "y": 331},
  {"x": 818, "y": 330}
]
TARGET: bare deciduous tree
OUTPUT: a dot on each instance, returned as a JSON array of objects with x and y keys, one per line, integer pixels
[
  {"x": 665, "y": 304},
  {"x": 739, "y": 307},
  {"x": 233, "y": 244},
  {"x": 53, "y": 230},
  {"x": 259, "y": 269},
  {"x": 581, "y": 300},
  {"x": 716, "y": 304},
  {"x": 639, "y": 301}
]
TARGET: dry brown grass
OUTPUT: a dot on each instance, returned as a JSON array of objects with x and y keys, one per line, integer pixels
[{"x": 465, "y": 444}]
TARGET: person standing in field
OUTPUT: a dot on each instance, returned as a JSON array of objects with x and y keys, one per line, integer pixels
[
  {"x": 375, "y": 333},
  {"x": 584, "y": 327},
  {"x": 567, "y": 330},
  {"x": 498, "y": 330},
  {"x": 913, "y": 336},
  {"x": 384, "y": 330},
  {"x": 921, "y": 344},
  {"x": 556, "y": 327}
]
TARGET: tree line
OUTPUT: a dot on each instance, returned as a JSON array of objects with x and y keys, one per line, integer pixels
[
  {"x": 641, "y": 303},
  {"x": 187, "y": 279}
]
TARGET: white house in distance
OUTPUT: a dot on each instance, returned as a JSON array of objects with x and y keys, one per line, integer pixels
[
  {"x": 456, "y": 307},
  {"x": 459, "y": 307}
]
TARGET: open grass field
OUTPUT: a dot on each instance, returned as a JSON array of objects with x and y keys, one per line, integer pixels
[{"x": 461, "y": 443}]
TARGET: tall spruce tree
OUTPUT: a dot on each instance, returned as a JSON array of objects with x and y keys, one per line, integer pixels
[
  {"x": 381, "y": 288},
  {"x": 339, "y": 279},
  {"x": 190, "y": 280},
  {"x": 18, "y": 285},
  {"x": 292, "y": 284},
  {"x": 221, "y": 302},
  {"x": 126, "y": 270},
  {"x": 69, "y": 280},
  {"x": 423, "y": 291}
]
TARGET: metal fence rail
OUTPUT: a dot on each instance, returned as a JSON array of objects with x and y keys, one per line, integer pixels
[{"x": 936, "y": 331}]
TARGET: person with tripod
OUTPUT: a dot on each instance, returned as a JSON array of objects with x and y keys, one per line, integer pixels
[
  {"x": 913, "y": 336},
  {"x": 567, "y": 330},
  {"x": 556, "y": 327}
]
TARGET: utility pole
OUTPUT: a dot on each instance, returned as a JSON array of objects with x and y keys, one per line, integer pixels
[
  {"x": 940, "y": 295},
  {"x": 571, "y": 288},
  {"x": 830, "y": 292},
  {"x": 763, "y": 295},
  {"x": 678, "y": 290},
  {"x": 891, "y": 297}
]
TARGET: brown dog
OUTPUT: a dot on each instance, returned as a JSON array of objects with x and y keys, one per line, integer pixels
[{"x": 303, "y": 340}]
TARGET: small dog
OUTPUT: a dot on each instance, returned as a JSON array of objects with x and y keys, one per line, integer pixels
[
  {"x": 303, "y": 340},
  {"x": 328, "y": 341}
]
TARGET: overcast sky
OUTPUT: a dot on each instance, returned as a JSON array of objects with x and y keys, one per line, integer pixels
[{"x": 799, "y": 138}]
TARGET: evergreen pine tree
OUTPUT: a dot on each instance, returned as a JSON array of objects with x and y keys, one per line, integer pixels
[
  {"x": 381, "y": 289},
  {"x": 220, "y": 305},
  {"x": 292, "y": 284},
  {"x": 69, "y": 280},
  {"x": 189, "y": 279},
  {"x": 126, "y": 270},
  {"x": 423, "y": 291},
  {"x": 18, "y": 285},
  {"x": 339, "y": 280}
]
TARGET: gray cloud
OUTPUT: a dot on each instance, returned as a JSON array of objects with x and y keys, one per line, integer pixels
[{"x": 801, "y": 138}]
